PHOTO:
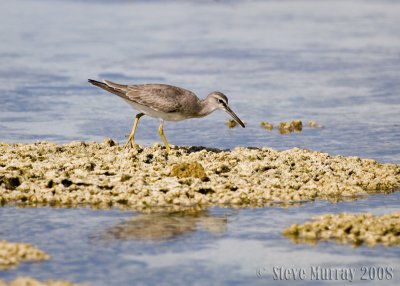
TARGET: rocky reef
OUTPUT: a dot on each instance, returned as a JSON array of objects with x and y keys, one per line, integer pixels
[
  {"x": 107, "y": 174},
  {"x": 356, "y": 229}
]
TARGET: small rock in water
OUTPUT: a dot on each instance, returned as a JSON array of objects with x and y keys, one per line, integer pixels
[
  {"x": 266, "y": 125},
  {"x": 29, "y": 281},
  {"x": 297, "y": 125},
  {"x": 12, "y": 254},
  {"x": 231, "y": 123},
  {"x": 285, "y": 127},
  {"x": 314, "y": 124},
  {"x": 289, "y": 127}
]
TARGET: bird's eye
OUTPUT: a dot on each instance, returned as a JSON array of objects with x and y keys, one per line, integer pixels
[{"x": 220, "y": 101}]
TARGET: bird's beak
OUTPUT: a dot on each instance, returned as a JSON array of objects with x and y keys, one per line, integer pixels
[{"x": 234, "y": 116}]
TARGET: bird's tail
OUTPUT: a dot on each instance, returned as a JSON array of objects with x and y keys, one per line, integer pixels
[{"x": 106, "y": 87}]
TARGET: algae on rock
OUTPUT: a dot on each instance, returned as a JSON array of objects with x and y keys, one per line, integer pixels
[{"x": 186, "y": 170}]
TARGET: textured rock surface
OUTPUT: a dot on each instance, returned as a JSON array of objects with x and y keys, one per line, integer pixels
[
  {"x": 349, "y": 228},
  {"x": 27, "y": 281},
  {"x": 288, "y": 127},
  {"x": 11, "y": 254},
  {"x": 231, "y": 123},
  {"x": 267, "y": 125},
  {"x": 104, "y": 175}
]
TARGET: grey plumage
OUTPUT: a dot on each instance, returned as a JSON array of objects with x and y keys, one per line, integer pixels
[
  {"x": 160, "y": 97},
  {"x": 166, "y": 102}
]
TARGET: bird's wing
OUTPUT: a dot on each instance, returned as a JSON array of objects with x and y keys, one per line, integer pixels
[{"x": 160, "y": 97}]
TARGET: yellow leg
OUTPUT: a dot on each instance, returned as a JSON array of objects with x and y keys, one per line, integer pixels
[
  {"x": 132, "y": 135},
  {"x": 161, "y": 132}
]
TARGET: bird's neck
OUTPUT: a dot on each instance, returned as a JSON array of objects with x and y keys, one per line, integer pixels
[{"x": 205, "y": 108}]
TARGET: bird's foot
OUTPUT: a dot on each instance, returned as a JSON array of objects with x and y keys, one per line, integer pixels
[{"x": 129, "y": 144}]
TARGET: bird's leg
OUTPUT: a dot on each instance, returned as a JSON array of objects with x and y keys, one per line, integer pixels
[
  {"x": 132, "y": 135},
  {"x": 161, "y": 132}
]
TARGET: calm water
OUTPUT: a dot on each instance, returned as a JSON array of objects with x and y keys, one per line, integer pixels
[
  {"x": 336, "y": 62},
  {"x": 213, "y": 247}
]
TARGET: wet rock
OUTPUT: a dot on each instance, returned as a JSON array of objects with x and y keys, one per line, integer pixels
[
  {"x": 288, "y": 127},
  {"x": 356, "y": 229},
  {"x": 314, "y": 124},
  {"x": 285, "y": 127},
  {"x": 28, "y": 281},
  {"x": 231, "y": 123},
  {"x": 11, "y": 254},
  {"x": 266, "y": 125},
  {"x": 297, "y": 125}
]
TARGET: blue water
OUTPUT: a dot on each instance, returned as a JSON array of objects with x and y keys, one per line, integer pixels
[
  {"x": 211, "y": 247},
  {"x": 335, "y": 62}
]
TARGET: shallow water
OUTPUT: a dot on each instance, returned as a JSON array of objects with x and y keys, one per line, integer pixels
[
  {"x": 212, "y": 247},
  {"x": 276, "y": 61}
]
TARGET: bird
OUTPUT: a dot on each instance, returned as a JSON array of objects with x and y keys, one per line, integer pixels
[{"x": 165, "y": 102}]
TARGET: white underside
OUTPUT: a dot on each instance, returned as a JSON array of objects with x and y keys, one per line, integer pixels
[{"x": 156, "y": 114}]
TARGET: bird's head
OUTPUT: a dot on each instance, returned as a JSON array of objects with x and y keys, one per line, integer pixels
[{"x": 218, "y": 100}]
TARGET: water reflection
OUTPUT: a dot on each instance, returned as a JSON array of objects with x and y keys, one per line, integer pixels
[{"x": 165, "y": 226}]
